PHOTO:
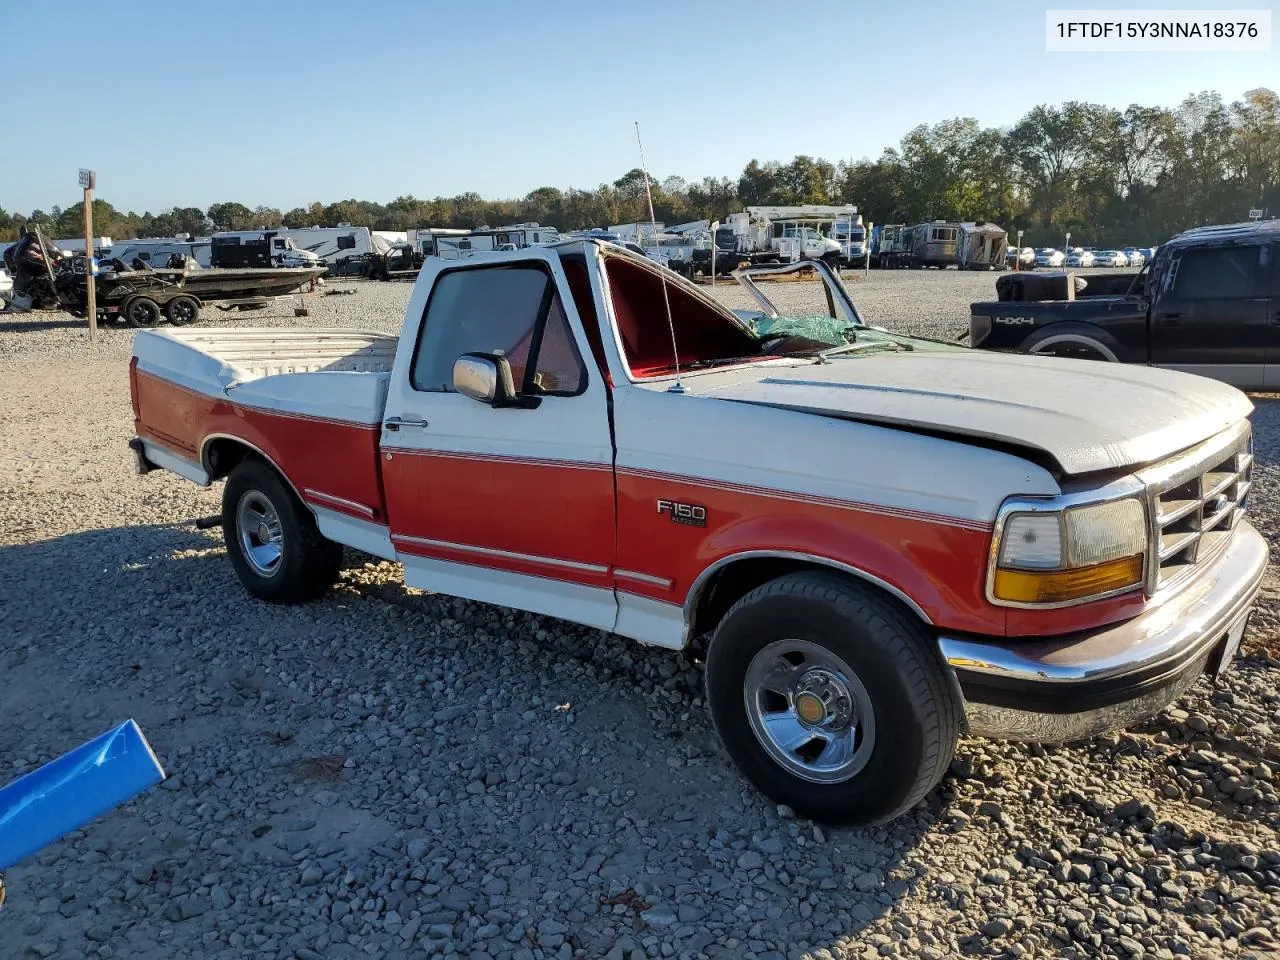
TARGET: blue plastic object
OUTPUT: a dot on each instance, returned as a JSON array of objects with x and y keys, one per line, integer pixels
[{"x": 66, "y": 793}]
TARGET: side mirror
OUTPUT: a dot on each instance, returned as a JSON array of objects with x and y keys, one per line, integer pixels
[{"x": 487, "y": 377}]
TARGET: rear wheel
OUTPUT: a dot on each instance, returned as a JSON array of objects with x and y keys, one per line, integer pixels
[
  {"x": 831, "y": 698},
  {"x": 141, "y": 312},
  {"x": 272, "y": 539},
  {"x": 182, "y": 311}
]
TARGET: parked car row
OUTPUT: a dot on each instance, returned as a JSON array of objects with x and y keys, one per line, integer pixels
[{"x": 1028, "y": 258}]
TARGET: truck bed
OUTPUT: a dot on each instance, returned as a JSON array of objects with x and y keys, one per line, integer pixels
[
  {"x": 335, "y": 374},
  {"x": 310, "y": 401}
]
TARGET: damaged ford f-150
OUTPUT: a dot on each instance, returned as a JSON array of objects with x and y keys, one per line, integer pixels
[{"x": 878, "y": 543}]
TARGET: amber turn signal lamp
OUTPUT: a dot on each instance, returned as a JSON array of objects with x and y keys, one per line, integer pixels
[{"x": 1058, "y": 586}]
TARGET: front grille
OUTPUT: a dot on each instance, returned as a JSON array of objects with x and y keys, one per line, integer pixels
[{"x": 1196, "y": 501}]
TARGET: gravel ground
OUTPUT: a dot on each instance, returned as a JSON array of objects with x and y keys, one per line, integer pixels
[{"x": 391, "y": 773}]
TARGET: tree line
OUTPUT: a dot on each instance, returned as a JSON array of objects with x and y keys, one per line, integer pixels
[{"x": 1107, "y": 176}]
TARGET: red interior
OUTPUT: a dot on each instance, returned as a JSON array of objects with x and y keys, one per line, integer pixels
[
  {"x": 701, "y": 332},
  {"x": 575, "y": 271}
]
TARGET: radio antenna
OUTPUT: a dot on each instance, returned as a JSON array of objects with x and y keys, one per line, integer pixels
[{"x": 676, "y": 387}]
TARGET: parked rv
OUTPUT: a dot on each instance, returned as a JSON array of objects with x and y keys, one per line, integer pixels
[
  {"x": 101, "y": 245},
  {"x": 888, "y": 245},
  {"x": 426, "y": 240},
  {"x": 981, "y": 246},
  {"x": 933, "y": 244},
  {"x": 485, "y": 240},
  {"x": 158, "y": 252}
]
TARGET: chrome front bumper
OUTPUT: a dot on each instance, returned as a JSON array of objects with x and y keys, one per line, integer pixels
[{"x": 1067, "y": 688}]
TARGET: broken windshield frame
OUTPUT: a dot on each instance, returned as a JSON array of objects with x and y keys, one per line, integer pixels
[{"x": 839, "y": 302}]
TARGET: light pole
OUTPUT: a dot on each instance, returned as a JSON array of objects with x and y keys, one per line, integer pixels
[
  {"x": 1017, "y": 261},
  {"x": 88, "y": 181}
]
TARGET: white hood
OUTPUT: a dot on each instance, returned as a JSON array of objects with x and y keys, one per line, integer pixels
[{"x": 1087, "y": 415}]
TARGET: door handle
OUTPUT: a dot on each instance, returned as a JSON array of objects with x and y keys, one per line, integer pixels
[
  {"x": 395, "y": 423},
  {"x": 1171, "y": 319}
]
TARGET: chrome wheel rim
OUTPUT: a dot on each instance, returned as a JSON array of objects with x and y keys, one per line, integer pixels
[
  {"x": 809, "y": 711},
  {"x": 261, "y": 537}
]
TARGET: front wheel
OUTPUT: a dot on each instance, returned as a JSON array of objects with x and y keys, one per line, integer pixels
[
  {"x": 831, "y": 698},
  {"x": 272, "y": 539}
]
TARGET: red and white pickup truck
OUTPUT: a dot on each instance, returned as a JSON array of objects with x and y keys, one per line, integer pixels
[{"x": 882, "y": 542}]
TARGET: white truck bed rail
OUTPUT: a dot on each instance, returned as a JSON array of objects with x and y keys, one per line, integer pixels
[{"x": 332, "y": 373}]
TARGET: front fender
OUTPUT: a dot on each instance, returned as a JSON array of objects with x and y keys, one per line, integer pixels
[{"x": 935, "y": 564}]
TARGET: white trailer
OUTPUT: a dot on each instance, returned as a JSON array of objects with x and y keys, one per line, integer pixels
[
  {"x": 76, "y": 244},
  {"x": 336, "y": 246},
  {"x": 483, "y": 240},
  {"x": 426, "y": 240},
  {"x": 156, "y": 251},
  {"x": 981, "y": 246}
]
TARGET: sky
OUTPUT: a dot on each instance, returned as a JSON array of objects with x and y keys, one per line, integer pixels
[{"x": 284, "y": 103}]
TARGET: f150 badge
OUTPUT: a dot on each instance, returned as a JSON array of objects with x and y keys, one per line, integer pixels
[{"x": 690, "y": 514}]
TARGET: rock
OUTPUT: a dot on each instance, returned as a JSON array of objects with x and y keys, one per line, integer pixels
[
  {"x": 996, "y": 928},
  {"x": 751, "y": 861},
  {"x": 1130, "y": 808},
  {"x": 870, "y": 880},
  {"x": 772, "y": 846},
  {"x": 660, "y": 915}
]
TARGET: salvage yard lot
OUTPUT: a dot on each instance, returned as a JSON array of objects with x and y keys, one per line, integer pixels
[{"x": 388, "y": 772}]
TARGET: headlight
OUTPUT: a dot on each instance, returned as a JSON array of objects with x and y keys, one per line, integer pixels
[{"x": 1063, "y": 556}]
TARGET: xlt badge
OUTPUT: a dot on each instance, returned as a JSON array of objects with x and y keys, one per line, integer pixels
[{"x": 690, "y": 514}]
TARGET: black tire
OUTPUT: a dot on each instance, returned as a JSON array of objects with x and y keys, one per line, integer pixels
[
  {"x": 1071, "y": 351},
  {"x": 307, "y": 564},
  {"x": 141, "y": 312},
  {"x": 182, "y": 311},
  {"x": 1072, "y": 342},
  {"x": 913, "y": 704}
]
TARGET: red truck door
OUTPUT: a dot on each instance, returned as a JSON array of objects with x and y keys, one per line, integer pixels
[{"x": 503, "y": 504}]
